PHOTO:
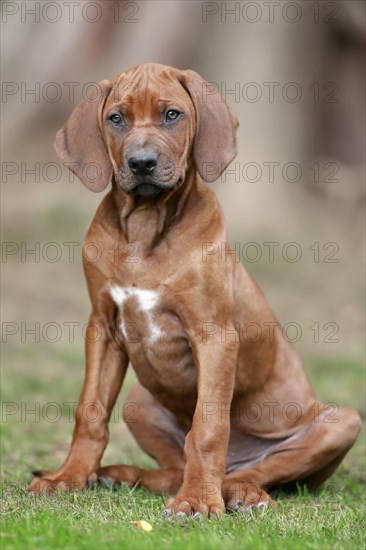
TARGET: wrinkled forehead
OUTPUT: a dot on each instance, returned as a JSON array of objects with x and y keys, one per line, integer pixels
[{"x": 147, "y": 88}]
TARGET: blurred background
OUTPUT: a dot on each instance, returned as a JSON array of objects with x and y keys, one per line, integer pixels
[{"x": 293, "y": 72}]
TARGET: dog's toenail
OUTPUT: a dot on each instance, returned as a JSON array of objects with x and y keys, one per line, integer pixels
[
  {"x": 235, "y": 506},
  {"x": 167, "y": 512},
  {"x": 197, "y": 516},
  {"x": 106, "y": 483}
]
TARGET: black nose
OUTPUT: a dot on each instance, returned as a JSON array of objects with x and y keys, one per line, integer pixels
[{"x": 143, "y": 165}]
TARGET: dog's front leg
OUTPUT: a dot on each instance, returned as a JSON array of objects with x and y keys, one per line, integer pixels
[
  {"x": 206, "y": 443},
  {"x": 106, "y": 366}
]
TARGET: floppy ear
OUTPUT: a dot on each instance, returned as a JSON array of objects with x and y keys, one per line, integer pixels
[
  {"x": 80, "y": 145},
  {"x": 216, "y": 127}
]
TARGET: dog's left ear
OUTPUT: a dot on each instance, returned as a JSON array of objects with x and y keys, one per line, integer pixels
[{"x": 216, "y": 127}]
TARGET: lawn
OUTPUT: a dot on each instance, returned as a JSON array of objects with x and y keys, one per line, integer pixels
[
  {"x": 333, "y": 517},
  {"x": 103, "y": 519}
]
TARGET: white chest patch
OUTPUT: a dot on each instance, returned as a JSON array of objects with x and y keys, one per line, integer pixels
[{"x": 146, "y": 299}]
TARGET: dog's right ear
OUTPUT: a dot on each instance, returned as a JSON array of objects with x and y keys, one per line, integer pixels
[{"x": 80, "y": 144}]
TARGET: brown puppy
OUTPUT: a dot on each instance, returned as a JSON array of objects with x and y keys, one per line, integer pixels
[{"x": 222, "y": 402}]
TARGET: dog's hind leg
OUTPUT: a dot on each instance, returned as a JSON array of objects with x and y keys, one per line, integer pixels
[
  {"x": 308, "y": 457},
  {"x": 158, "y": 434}
]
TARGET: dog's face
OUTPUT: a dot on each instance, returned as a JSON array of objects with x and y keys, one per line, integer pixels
[
  {"x": 145, "y": 127},
  {"x": 148, "y": 125}
]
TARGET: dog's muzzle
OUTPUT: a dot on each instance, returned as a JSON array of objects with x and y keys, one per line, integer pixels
[{"x": 142, "y": 165}]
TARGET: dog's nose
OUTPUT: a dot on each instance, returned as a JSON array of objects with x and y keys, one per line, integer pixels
[{"x": 143, "y": 165}]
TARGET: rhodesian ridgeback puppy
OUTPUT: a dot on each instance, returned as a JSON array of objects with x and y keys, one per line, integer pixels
[{"x": 222, "y": 402}]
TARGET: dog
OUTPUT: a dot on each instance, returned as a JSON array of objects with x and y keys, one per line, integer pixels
[{"x": 222, "y": 402}]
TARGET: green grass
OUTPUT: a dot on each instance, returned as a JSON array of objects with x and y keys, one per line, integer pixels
[
  {"x": 103, "y": 519},
  {"x": 331, "y": 518}
]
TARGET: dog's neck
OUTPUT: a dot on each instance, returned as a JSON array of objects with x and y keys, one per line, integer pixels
[{"x": 148, "y": 219}]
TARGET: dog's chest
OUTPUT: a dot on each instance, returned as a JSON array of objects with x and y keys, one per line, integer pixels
[
  {"x": 155, "y": 340},
  {"x": 137, "y": 313}
]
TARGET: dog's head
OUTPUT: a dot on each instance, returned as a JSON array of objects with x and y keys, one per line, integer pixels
[{"x": 144, "y": 126}]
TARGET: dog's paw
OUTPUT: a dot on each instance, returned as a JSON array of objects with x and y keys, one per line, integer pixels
[
  {"x": 52, "y": 483},
  {"x": 246, "y": 497},
  {"x": 183, "y": 505}
]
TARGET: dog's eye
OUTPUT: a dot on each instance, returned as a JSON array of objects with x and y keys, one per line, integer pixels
[
  {"x": 172, "y": 114},
  {"x": 116, "y": 118}
]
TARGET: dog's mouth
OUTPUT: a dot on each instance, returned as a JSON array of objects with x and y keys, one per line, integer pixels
[{"x": 147, "y": 190}]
